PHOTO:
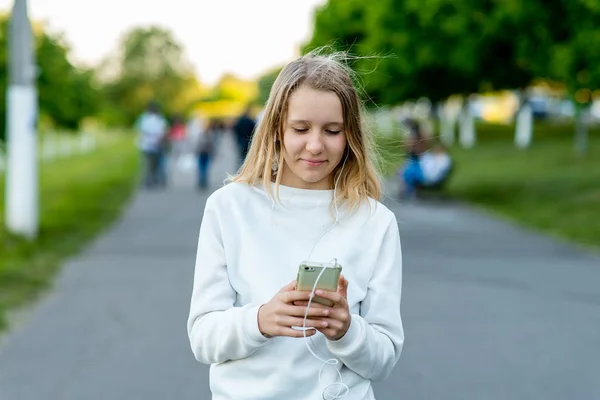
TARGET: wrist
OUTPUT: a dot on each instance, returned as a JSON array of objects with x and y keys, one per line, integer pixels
[{"x": 260, "y": 325}]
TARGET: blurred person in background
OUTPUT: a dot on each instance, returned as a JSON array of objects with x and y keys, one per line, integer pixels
[
  {"x": 195, "y": 126},
  {"x": 152, "y": 127},
  {"x": 219, "y": 130},
  {"x": 243, "y": 129},
  {"x": 177, "y": 139},
  {"x": 205, "y": 150},
  {"x": 410, "y": 174},
  {"x": 435, "y": 164},
  {"x": 428, "y": 162}
]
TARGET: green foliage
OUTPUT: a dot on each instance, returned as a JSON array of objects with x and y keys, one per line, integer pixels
[
  {"x": 149, "y": 65},
  {"x": 340, "y": 24},
  {"x": 574, "y": 48},
  {"x": 449, "y": 47},
  {"x": 265, "y": 82},
  {"x": 437, "y": 48},
  {"x": 66, "y": 94}
]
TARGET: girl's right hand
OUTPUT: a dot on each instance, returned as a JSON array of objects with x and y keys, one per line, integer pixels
[{"x": 277, "y": 317}]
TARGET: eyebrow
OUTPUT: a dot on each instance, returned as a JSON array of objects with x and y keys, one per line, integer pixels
[{"x": 302, "y": 121}]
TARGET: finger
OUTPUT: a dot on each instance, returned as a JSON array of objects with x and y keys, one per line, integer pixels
[
  {"x": 331, "y": 324},
  {"x": 294, "y": 295},
  {"x": 295, "y": 333},
  {"x": 333, "y": 328},
  {"x": 288, "y": 321},
  {"x": 336, "y": 297},
  {"x": 289, "y": 287},
  {"x": 313, "y": 304},
  {"x": 341, "y": 316},
  {"x": 300, "y": 311},
  {"x": 343, "y": 286}
]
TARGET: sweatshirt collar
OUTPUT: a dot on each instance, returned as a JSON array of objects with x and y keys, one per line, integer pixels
[{"x": 304, "y": 195}]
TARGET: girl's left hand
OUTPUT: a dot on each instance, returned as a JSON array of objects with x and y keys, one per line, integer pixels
[{"x": 339, "y": 318}]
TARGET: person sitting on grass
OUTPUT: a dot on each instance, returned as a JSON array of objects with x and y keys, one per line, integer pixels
[
  {"x": 435, "y": 164},
  {"x": 426, "y": 166}
]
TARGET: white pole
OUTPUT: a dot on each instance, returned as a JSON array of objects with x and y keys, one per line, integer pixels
[
  {"x": 524, "y": 127},
  {"x": 448, "y": 113},
  {"x": 21, "y": 115}
]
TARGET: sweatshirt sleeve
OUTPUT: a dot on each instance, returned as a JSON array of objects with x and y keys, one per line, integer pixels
[
  {"x": 218, "y": 330},
  {"x": 372, "y": 345}
]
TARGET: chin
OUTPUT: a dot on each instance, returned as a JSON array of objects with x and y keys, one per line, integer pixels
[
  {"x": 312, "y": 182},
  {"x": 312, "y": 179}
]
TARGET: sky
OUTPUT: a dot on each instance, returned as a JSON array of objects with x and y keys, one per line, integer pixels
[{"x": 243, "y": 37}]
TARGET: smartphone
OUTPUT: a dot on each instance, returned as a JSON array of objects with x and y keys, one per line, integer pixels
[{"x": 309, "y": 271}]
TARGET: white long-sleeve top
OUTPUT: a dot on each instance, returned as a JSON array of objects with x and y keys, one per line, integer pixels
[{"x": 248, "y": 249}]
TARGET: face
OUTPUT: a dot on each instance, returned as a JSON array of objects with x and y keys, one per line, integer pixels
[{"x": 314, "y": 138}]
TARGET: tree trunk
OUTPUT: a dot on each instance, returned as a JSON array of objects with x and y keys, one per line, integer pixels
[
  {"x": 467, "y": 126},
  {"x": 446, "y": 124},
  {"x": 524, "y": 123},
  {"x": 581, "y": 129}
]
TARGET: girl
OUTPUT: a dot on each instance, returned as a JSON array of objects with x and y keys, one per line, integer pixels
[{"x": 306, "y": 191}]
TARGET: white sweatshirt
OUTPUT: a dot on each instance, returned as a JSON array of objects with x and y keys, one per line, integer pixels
[{"x": 248, "y": 249}]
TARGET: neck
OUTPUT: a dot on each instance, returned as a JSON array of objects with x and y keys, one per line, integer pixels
[{"x": 289, "y": 179}]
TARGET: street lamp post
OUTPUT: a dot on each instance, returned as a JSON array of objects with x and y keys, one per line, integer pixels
[{"x": 21, "y": 120}]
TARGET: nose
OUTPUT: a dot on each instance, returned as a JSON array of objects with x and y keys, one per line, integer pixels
[{"x": 314, "y": 142}]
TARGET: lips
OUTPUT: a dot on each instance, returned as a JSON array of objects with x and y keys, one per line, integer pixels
[{"x": 314, "y": 163}]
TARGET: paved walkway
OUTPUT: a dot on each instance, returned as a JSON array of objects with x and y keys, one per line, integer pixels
[{"x": 490, "y": 311}]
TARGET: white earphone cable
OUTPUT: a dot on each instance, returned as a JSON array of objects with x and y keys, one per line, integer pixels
[{"x": 342, "y": 388}]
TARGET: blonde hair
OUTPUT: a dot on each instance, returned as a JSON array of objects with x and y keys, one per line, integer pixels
[{"x": 359, "y": 179}]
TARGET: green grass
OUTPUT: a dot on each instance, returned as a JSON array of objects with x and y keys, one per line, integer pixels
[
  {"x": 79, "y": 197},
  {"x": 546, "y": 187}
]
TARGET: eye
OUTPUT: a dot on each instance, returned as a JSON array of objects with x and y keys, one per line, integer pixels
[
  {"x": 300, "y": 130},
  {"x": 332, "y": 132}
]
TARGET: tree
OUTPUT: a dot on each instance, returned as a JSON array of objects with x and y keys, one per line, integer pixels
[
  {"x": 65, "y": 93},
  {"x": 425, "y": 47},
  {"x": 440, "y": 48},
  {"x": 574, "y": 56},
  {"x": 149, "y": 64},
  {"x": 339, "y": 24},
  {"x": 265, "y": 82},
  {"x": 514, "y": 42}
]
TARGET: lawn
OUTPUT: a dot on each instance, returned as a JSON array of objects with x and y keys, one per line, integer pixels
[
  {"x": 546, "y": 187},
  {"x": 79, "y": 197}
]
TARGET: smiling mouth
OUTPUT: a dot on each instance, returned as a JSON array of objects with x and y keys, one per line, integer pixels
[{"x": 314, "y": 163}]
